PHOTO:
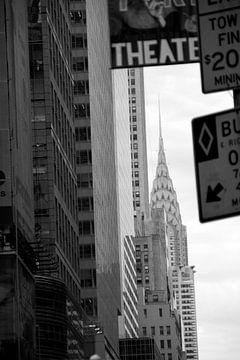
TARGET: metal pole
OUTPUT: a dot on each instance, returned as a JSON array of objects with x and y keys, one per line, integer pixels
[{"x": 236, "y": 97}]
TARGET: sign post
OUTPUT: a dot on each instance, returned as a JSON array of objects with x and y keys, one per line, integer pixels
[
  {"x": 219, "y": 32},
  {"x": 216, "y": 142}
]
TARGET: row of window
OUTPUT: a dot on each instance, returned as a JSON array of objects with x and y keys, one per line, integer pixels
[
  {"x": 83, "y": 157},
  {"x": 81, "y": 87},
  {"x": 60, "y": 70},
  {"x": 82, "y": 110},
  {"x": 80, "y": 64},
  {"x": 78, "y": 17},
  {"x": 79, "y": 41},
  {"x": 87, "y": 251},
  {"x": 90, "y": 306},
  {"x": 84, "y": 180},
  {"x": 67, "y": 278},
  {"x": 64, "y": 181},
  {"x": 86, "y": 227},
  {"x": 66, "y": 236},
  {"x": 88, "y": 278},
  {"x": 59, "y": 18},
  {"x": 61, "y": 125},
  {"x": 83, "y": 133},
  {"x": 85, "y": 203}
]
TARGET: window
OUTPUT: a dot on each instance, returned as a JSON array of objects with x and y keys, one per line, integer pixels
[
  {"x": 137, "y": 183},
  {"x": 90, "y": 306},
  {"x": 169, "y": 356},
  {"x": 132, "y": 81},
  {"x": 137, "y": 194},
  {"x": 132, "y": 72},
  {"x": 79, "y": 41},
  {"x": 144, "y": 331},
  {"x": 84, "y": 180},
  {"x": 169, "y": 344},
  {"x": 134, "y": 137},
  {"x": 160, "y": 312},
  {"x": 161, "y": 330},
  {"x": 162, "y": 344},
  {"x": 85, "y": 204},
  {"x": 145, "y": 257},
  {"x": 136, "y": 173},
  {"x": 135, "y": 155},
  {"x": 80, "y": 63},
  {"x": 145, "y": 246},
  {"x": 155, "y": 298},
  {"x": 133, "y": 91},
  {"x": 147, "y": 279},
  {"x": 82, "y": 110},
  {"x": 133, "y": 100},
  {"x": 78, "y": 17},
  {"x": 152, "y": 330},
  {"x": 146, "y": 269},
  {"x": 81, "y": 87},
  {"x": 135, "y": 164},
  {"x": 134, "y": 109},
  {"x": 134, "y": 118},
  {"x": 88, "y": 278},
  {"x": 83, "y": 133},
  {"x": 87, "y": 251},
  {"x": 168, "y": 330},
  {"x": 145, "y": 312},
  {"x": 135, "y": 146},
  {"x": 83, "y": 157},
  {"x": 86, "y": 227}
]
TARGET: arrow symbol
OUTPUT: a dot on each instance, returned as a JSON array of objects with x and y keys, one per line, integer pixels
[{"x": 212, "y": 194}]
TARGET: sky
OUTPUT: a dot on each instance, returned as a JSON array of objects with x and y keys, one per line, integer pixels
[{"x": 213, "y": 247}]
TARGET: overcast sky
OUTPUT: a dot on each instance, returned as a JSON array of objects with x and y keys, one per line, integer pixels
[{"x": 214, "y": 247}]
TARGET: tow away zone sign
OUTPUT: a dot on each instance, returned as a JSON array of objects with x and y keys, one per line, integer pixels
[
  {"x": 219, "y": 32},
  {"x": 216, "y": 143}
]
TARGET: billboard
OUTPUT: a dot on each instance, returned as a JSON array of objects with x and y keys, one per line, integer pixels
[{"x": 152, "y": 32}]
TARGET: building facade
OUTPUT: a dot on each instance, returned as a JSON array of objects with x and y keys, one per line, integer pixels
[
  {"x": 17, "y": 263},
  {"x": 96, "y": 170},
  {"x": 158, "y": 317},
  {"x": 56, "y": 242},
  {"x": 138, "y": 141},
  {"x": 139, "y": 349},
  {"x": 128, "y": 321},
  {"x": 181, "y": 275}
]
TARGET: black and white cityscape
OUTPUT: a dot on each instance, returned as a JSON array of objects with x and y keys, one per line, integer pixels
[{"x": 93, "y": 258}]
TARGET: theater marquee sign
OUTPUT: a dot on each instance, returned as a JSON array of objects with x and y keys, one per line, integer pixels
[{"x": 153, "y": 32}]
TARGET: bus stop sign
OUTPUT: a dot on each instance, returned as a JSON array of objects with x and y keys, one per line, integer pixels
[{"x": 216, "y": 143}]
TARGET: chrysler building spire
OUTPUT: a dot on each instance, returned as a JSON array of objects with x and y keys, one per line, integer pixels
[{"x": 163, "y": 194}]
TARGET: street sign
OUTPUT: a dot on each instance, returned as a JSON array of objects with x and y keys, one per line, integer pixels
[
  {"x": 216, "y": 142},
  {"x": 219, "y": 33}
]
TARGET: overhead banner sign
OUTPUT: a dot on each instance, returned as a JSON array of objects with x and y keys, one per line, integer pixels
[
  {"x": 216, "y": 142},
  {"x": 219, "y": 24},
  {"x": 152, "y": 32}
]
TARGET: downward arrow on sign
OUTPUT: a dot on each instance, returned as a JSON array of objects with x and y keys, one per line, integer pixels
[{"x": 212, "y": 194}]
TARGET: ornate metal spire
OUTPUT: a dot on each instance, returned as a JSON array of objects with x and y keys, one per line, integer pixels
[{"x": 163, "y": 194}]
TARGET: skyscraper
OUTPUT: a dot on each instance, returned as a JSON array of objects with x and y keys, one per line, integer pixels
[
  {"x": 128, "y": 321},
  {"x": 96, "y": 170},
  {"x": 138, "y": 141},
  {"x": 56, "y": 242},
  {"x": 158, "y": 317},
  {"x": 164, "y": 196},
  {"x": 16, "y": 190}
]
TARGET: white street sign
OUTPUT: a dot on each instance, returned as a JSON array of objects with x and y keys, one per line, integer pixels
[
  {"x": 219, "y": 32},
  {"x": 216, "y": 142}
]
